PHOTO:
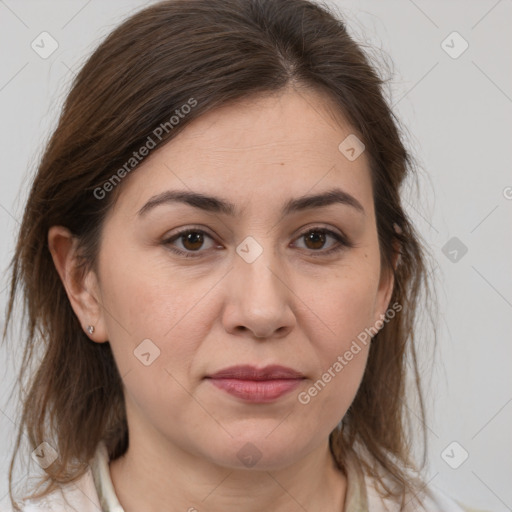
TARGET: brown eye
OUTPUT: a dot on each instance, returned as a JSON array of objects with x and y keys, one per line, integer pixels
[
  {"x": 315, "y": 239},
  {"x": 192, "y": 240}
]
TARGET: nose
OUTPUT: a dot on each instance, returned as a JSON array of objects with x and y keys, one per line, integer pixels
[{"x": 258, "y": 299}]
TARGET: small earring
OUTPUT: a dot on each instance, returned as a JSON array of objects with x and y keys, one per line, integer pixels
[{"x": 90, "y": 329}]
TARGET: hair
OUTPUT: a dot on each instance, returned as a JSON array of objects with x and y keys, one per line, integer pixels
[{"x": 207, "y": 53}]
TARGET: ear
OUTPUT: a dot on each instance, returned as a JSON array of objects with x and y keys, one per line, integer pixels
[
  {"x": 386, "y": 285},
  {"x": 82, "y": 290}
]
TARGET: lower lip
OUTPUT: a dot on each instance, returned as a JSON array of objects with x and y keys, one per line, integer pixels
[{"x": 257, "y": 391}]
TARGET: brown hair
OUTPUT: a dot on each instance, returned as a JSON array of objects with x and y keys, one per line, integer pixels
[{"x": 214, "y": 52}]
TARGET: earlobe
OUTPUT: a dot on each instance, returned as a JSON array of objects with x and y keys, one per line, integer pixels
[{"x": 82, "y": 290}]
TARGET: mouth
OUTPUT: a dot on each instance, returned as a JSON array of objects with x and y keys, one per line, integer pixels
[{"x": 257, "y": 385}]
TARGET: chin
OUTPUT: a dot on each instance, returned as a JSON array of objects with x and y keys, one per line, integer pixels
[{"x": 258, "y": 451}]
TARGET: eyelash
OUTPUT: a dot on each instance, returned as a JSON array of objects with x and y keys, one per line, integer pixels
[{"x": 342, "y": 242}]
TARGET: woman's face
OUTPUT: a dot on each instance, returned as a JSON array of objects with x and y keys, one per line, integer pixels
[{"x": 256, "y": 282}]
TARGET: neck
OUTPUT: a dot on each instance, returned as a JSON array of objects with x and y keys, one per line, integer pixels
[{"x": 151, "y": 479}]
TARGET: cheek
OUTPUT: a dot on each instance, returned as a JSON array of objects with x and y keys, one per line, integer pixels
[
  {"x": 344, "y": 306},
  {"x": 145, "y": 301},
  {"x": 157, "y": 397},
  {"x": 154, "y": 335},
  {"x": 335, "y": 386},
  {"x": 154, "y": 331}
]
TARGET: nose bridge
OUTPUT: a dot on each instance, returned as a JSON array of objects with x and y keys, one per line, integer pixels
[
  {"x": 259, "y": 299},
  {"x": 256, "y": 267}
]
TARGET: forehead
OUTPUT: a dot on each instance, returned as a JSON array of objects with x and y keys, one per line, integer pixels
[
  {"x": 268, "y": 125},
  {"x": 258, "y": 149}
]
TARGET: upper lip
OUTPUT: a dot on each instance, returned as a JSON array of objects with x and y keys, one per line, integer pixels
[{"x": 249, "y": 372}]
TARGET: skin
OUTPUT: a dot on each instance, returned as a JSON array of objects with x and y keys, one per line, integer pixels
[{"x": 292, "y": 306}]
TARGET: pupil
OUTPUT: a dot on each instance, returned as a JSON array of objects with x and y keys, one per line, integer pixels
[
  {"x": 316, "y": 237},
  {"x": 196, "y": 239}
]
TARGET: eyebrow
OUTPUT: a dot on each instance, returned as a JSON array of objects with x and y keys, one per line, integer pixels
[{"x": 218, "y": 205}]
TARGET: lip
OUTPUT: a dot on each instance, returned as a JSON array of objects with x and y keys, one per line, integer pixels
[
  {"x": 249, "y": 372},
  {"x": 257, "y": 385}
]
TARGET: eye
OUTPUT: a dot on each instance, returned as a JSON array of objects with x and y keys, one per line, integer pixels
[
  {"x": 316, "y": 238},
  {"x": 191, "y": 241}
]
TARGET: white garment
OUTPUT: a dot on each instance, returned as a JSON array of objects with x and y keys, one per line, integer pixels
[{"x": 94, "y": 492}]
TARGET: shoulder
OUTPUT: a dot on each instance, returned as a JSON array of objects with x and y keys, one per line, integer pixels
[
  {"x": 428, "y": 498},
  {"x": 77, "y": 496},
  {"x": 433, "y": 499},
  {"x": 440, "y": 500},
  {"x": 91, "y": 492}
]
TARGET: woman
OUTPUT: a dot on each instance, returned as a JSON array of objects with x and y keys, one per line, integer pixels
[{"x": 219, "y": 271}]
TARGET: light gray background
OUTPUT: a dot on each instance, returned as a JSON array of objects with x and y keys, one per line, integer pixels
[{"x": 457, "y": 112}]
